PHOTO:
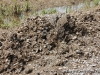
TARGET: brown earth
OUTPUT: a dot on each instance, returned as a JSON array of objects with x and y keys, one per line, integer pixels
[{"x": 58, "y": 44}]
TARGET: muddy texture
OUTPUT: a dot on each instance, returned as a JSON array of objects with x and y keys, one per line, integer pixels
[{"x": 58, "y": 44}]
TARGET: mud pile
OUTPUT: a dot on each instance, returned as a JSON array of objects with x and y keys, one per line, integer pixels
[{"x": 58, "y": 44}]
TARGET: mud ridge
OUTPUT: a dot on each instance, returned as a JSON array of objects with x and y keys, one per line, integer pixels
[{"x": 52, "y": 44}]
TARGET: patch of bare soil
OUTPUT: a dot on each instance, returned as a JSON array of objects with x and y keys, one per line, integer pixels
[{"x": 58, "y": 44}]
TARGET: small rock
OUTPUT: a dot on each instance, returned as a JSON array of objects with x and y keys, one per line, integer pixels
[
  {"x": 75, "y": 37},
  {"x": 0, "y": 44},
  {"x": 94, "y": 65},
  {"x": 27, "y": 71},
  {"x": 79, "y": 52},
  {"x": 38, "y": 73}
]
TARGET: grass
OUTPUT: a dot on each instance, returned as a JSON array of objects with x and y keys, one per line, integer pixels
[
  {"x": 87, "y": 5},
  {"x": 68, "y": 9},
  {"x": 16, "y": 10},
  {"x": 44, "y": 12},
  {"x": 13, "y": 12},
  {"x": 27, "y": 6},
  {"x": 96, "y": 2},
  {"x": 8, "y": 11},
  {"x": 52, "y": 11},
  {"x": 10, "y": 24},
  {"x": 2, "y": 10},
  {"x": 93, "y": 3},
  {"x": 1, "y": 20},
  {"x": 49, "y": 11}
]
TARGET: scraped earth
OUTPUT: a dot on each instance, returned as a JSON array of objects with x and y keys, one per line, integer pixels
[{"x": 58, "y": 44}]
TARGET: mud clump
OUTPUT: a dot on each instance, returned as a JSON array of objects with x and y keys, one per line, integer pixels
[{"x": 45, "y": 46}]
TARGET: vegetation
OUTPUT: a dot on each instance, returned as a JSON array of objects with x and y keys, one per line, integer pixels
[
  {"x": 17, "y": 10},
  {"x": 96, "y": 2},
  {"x": 44, "y": 12},
  {"x": 12, "y": 13},
  {"x": 52, "y": 11},
  {"x": 87, "y": 5},
  {"x": 68, "y": 9},
  {"x": 49, "y": 11},
  {"x": 1, "y": 19},
  {"x": 27, "y": 6}
]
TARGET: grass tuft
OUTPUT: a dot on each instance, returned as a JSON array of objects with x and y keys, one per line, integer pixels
[
  {"x": 44, "y": 12},
  {"x": 17, "y": 10},
  {"x": 87, "y": 5},
  {"x": 27, "y": 6},
  {"x": 96, "y": 2},
  {"x": 68, "y": 9},
  {"x": 52, "y": 11}
]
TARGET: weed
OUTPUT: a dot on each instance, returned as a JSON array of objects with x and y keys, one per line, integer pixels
[
  {"x": 44, "y": 12},
  {"x": 96, "y": 2},
  {"x": 52, "y": 11},
  {"x": 87, "y": 5},
  {"x": 33, "y": 9},
  {"x": 4, "y": 26},
  {"x": 1, "y": 20},
  {"x": 8, "y": 11},
  {"x": 17, "y": 10},
  {"x": 37, "y": 14},
  {"x": 68, "y": 10},
  {"x": 27, "y": 6},
  {"x": 10, "y": 24},
  {"x": 2, "y": 11}
]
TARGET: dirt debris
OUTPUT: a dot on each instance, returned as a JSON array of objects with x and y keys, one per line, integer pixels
[{"x": 52, "y": 45}]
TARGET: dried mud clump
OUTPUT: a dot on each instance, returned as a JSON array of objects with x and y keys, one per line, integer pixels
[{"x": 47, "y": 44}]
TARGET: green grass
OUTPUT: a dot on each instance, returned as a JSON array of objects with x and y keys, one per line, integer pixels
[
  {"x": 68, "y": 9},
  {"x": 15, "y": 11},
  {"x": 2, "y": 10},
  {"x": 1, "y": 20},
  {"x": 12, "y": 23},
  {"x": 8, "y": 11},
  {"x": 27, "y": 6},
  {"x": 96, "y": 2},
  {"x": 52, "y": 11},
  {"x": 16, "y": 8},
  {"x": 87, "y": 5},
  {"x": 44, "y": 12}
]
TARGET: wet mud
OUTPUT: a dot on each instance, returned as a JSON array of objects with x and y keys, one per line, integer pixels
[{"x": 57, "y": 44}]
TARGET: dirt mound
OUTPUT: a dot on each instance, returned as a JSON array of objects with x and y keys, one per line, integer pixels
[{"x": 52, "y": 45}]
